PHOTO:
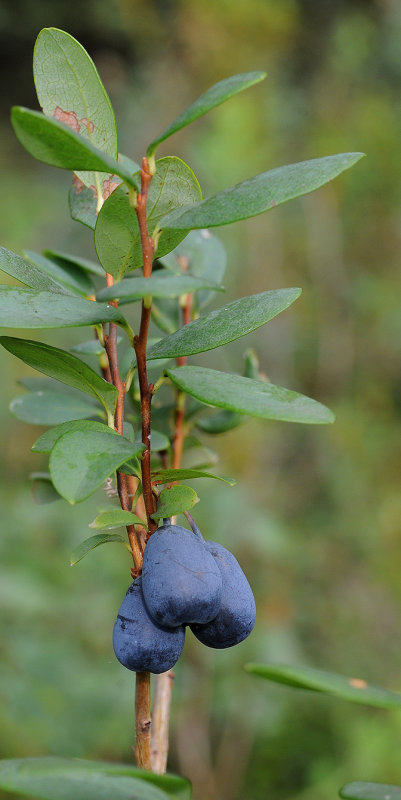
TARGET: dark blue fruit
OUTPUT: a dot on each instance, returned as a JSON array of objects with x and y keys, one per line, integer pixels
[
  {"x": 236, "y": 616},
  {"x": 181, "y": 580},
  {"x": 140, "y": 644}
]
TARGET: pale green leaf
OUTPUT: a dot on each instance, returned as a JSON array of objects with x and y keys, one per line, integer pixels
[
  {"x": 47, "y": 440},
  {"x": 361, "y": 790},
  {"x": 204, "y": 256},
  {"x": 83, "y": 263},
  {"x": 87, "y": 545},
  {"x": 217, "y": 94},
  {"x": 28, "y": 273},
  {"x": 54, "y": 143},
  {"x": 224, "y": 325},
  {"x": 174, "y": 501},
  {"x": 80, "y": 461},
  {"x": 43, "y": 491},
  {"x": 64, "y": 367},
  {"x": 159, "y": 284},
  {"x": 52, "y": 408},
  {"x": 72, "y": 277},
  {"x": 356, "y": 690},
  {"x": 117, "y": 237},
  {"x": 56, "y": 778},
  {"x": 256, "y": 398},
  {"x": 261, "y": 193},
  {"x": 82, "y": 203},
  {"x": 168, "y": 475},
  {"x": 115, "y": 518}
]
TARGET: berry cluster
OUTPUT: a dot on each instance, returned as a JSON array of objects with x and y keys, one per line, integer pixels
[{"x": 185, "y": 581}]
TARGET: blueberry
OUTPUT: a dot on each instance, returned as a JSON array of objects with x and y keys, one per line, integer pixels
[
  {"x": 236, "y": 617},
  {"x": 139, "y": 643},
  {"x": 181, "y": 580}
]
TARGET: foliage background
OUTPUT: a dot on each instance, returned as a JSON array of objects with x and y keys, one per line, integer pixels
[{"x": 315, "y": 516}]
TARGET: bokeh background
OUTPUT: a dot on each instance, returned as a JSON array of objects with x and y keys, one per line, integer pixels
[{"x": 315, "y": 517}]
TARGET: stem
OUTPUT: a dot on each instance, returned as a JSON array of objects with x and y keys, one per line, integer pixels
[{"x": 142, "y": 720}]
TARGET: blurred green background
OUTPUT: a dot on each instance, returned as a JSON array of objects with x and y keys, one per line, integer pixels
[{"x": 315, "y": 517}]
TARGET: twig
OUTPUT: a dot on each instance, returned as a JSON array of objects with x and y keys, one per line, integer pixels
[
  {"x": 160, "y": 720},
  {"x": 142, "y": 720}
]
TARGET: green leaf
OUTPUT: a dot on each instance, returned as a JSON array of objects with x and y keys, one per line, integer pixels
[
  {"x": 87, "y": 545},
  {"x": 204, "y": 256},
  {"x": 43, "y": 491},
  {"x": 80, "y": 461},
  {"x": 224, "y": 325},
  {"x": 174, "y": 501},
  {"x": 90, "y": 348},
  {"x": 256, "y": 398},
  {"x": 63, "y": 367},
  {"x": 167, "y": 475},
  {"x": 223, "y": 421},
  {"x": 47, "y": 440},
  {"x": 158, "y": 285},
  {"x": 117, "y": 237},
  {"x": 217, "y": 94},
  {"x": 356, "y": 690},
  {"x": 28, "y": 273},
  {"x": 116, "y": 518},
  {"x": 28, "y": 308},
  {"x": 54, "y": 143},
  {"x": 69, "y": 89},
  {"x": 361, "y": 790},
  {"x": 55, "y": 778},
  {"x": 75, "y": 279},
  {"x": 261, "y": 193},
  {"x": 159, "y": 441},
  {"x": 82, "y": 203},
  {"x": 51, "y": 408},
  {"x": 83, "y": 263}
]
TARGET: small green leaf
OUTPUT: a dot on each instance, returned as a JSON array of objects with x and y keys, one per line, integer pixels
[
  {"x": 52, "y": 408},
  {"x": 72, "y": 277},
  {"x": 217, "y": 94},
  {"x": 47, "y": 440},
  {"x": 256, "y": 398},
  {"x": 168, "y": 475},
  {"x": 221, "y": 422},
  {"x": 82, "y": 203},
  {"x": 54, "y": 143},
  {"x": 116, "y": 518},
  {"x": 63, "y": 367},
  {"x": 356, "y": 690},
  {"x": 28, "y": 273},
  {"x": 87, "y": 545},
  {"x": 82, "y": 263},
  {"x": 158, "y": 285},
  {"x": 56, "y": 778},
  {"x": 117, "y": 237},
  {"x": 361, "y": 790},
  {"x": 90, "y": 348},
  {"x": 204, "y": 256},
  {"x": 43, "y": 491},
  {"x": 159, "y": 441},
  {"x": 224, "y": 325},
  {"x": 261, "y": 193},
  {"x": 69, "y": 89},
  {"x": 28, "y": 308},
  {"x": 174, "y": 501},
  {"x": 80, "y": 461}
]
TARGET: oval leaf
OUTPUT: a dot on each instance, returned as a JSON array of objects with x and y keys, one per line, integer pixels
[
  {"x": 217, "y": 94},
  {"x": 73, "y": 278},
  {"x": 174, "y": 501},
  {"x": 168, "y": 475},
  {"x": 117, "y": 237},
  {"x": 203, "y": 255},
  {"x": 80, "y": 461},
  {"x": 361, "y": 790},
  {"x": 63, "y": 367},
  {"x": 158, "y": 285},
  {"x": 224, "y": 325},
  {"x": 261, "y": 193},
  {"x": 52, "y": 408},
  {"x": 256, "y": 398},
  {"x": 55, "y": 778},
  {"x": 47, "y": 440},
  {"x": 83, "y": 263},
  {"x": 356, "y": 690},
  {"x": 69, "y": 89},
  {"x": 28, "y": 273},
  {"x": 116, "y": 518},
  {"x": 43, "y": 491},
  {"x": 28, "y": 308},
  {"x": 56, "y": 144},
  {"x": 90, "y": 544}
]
